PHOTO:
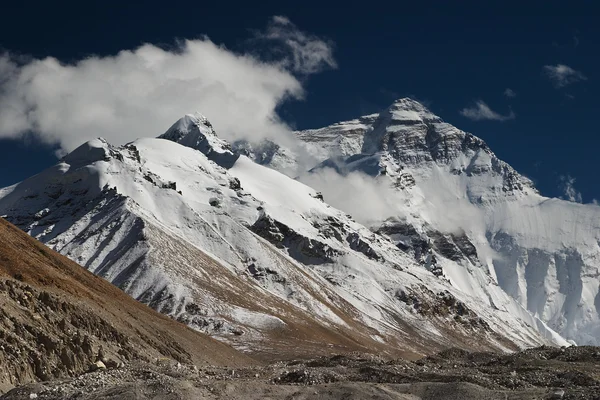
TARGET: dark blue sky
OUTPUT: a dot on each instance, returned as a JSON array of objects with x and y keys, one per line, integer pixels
[{"x": 447, "y": 57}]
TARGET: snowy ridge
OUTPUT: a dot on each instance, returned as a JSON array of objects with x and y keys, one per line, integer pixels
[
  {"x": 244, "y": 252},
  {"x": 467, "y": 215}
]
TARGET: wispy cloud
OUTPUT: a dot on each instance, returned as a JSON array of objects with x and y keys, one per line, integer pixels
[
  {"x": 141, "y": 92},
  {"x": 567, "y": 185},
  {"x": 481, "y": 111},
  {"x": 304, "y": 53},
  {"x": 562, "y": 75},
  {"x": 508, "y": 92}
]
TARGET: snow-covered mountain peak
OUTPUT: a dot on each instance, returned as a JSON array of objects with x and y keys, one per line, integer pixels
[
  {"x": 190, "y": 123},
  {"x": 408, "y": 110},
  {"x": 408, "y": 138},
  {"x": 195, "y": 131},
  {"x": 87, "y": 153},
  {"x": 412, "y": 134}
]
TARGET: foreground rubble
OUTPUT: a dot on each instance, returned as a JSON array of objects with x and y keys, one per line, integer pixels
[{"x": 541, "y": 373}]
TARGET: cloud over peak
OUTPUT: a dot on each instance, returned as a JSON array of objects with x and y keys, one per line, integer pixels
[
  {"x": 141, "y": 92},
  {"x": 567, "y": 185},
  {"x": 481, "y": 111},
  {"x": 562, "y": 75}
]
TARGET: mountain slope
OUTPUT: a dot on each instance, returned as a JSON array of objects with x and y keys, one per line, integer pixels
[
  {"x": 55, "y": 316},
  {"x": 249, "y": 255},
  {"x": 465, "y": 214}
]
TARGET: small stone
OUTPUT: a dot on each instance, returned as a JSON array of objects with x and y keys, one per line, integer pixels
[
  {"x": 559, "y": 394},
  {"x": 96, "y": 366},
  {"x": 33, "y": 396}
]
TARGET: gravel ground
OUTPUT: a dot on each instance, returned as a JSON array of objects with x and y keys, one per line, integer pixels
[{"x": 542, "y": 373}]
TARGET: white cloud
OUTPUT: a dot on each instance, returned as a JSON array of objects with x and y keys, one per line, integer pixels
[
  {"x": 562, "y": 75},
  {"x": 353, "y": 191},
  {"x": 304, "y": 53},
  {"x": 508, "y": 92},
  {"x": 371, "y": 200},
  {"x": 141, "y": 92},
  {"x": 567, "y": 185},
  {"x": 481, "y": 111},
  {"x": 281, "y": 20}
]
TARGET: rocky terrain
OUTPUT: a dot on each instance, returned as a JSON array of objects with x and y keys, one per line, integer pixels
[
  {"x": 539, "y": 373},
  {"x": 57, "y": 320}
]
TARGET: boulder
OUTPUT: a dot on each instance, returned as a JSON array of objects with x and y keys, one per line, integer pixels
[{"x": 98, "y": 365}]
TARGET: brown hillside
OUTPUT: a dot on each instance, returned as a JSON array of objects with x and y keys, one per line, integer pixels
[{"x": 55, "y": 315}]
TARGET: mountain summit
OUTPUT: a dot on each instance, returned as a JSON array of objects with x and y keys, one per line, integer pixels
[{"x": 195, "y": 131}]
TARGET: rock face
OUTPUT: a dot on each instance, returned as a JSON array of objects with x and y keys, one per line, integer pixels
[
  {"x": 56, "y": 318},
  {"x": 251, "y": 256},
  {"x": 461, "y": 211}
]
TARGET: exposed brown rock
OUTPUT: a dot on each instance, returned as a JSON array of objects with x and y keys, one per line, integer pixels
[{"x": 57, "y": 319}]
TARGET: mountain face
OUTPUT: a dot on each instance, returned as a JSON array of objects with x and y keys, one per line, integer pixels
[
  {"x": 258, "y": 259},
  {"x": 464, "y": 214},
  {"x": 56, "y": 318}
]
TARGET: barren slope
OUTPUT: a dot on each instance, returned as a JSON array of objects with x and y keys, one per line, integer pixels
[{"x": 54, "y": 316}]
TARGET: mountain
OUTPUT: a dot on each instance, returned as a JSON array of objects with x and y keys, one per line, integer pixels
[
  {"x": 56, "y": 316},
  {"x": 251, "y": 256},
  {"x": 444, "y": 198}
]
